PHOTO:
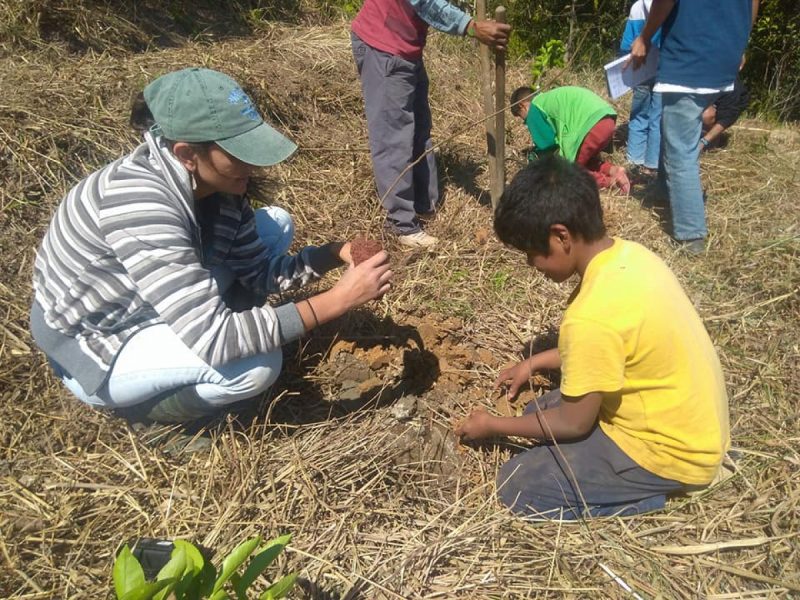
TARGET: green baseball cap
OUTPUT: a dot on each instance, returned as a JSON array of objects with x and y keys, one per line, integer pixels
[{"x": 201, "y": 105}]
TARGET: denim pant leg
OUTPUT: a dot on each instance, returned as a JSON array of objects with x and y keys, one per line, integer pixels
[
  {"x": 552, "y": 482},
  {"x": 638, "y": 125},
  {"x": 644, "y": 127},
  {"x": 653, "y": 150},
  {"x": 157, "y": 377},
  {"x": 390, "y": 86},
  {"x": 426, "y": 177},
  {"x": 681, "y": 125}
]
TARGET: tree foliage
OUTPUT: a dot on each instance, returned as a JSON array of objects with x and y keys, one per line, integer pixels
[{"x": 587, "y": 30}]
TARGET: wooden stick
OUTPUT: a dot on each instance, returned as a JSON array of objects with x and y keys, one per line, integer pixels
[
  {"x": 500, "y": 122},
  {"x": 487, "y": 73}
]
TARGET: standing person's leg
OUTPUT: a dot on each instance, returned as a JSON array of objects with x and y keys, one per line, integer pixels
[
  {"x": 588, "y": 155},
  {"x": 389, "y": 84},
  {"x": 157, "y": 377},
  {"x": 586, "y": 477},
  {"x": 638, "y": 125},
  {"x": 426, "y": 177},
  {"x": 653, "y": 132},
  {"x": 681, "y": 126}
]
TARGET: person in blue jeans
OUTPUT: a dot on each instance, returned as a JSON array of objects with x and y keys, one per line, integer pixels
[
  {"x": 644, "y": 125},
  {"x": 151, "y": 282},
  {"x": 702, "y": 43}
]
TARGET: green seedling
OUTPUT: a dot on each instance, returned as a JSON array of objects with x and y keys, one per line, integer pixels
[{"x": 188, "y": 576}]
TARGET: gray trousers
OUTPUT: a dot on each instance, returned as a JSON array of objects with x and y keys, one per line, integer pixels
[
  {"x": 399, "y": 125},
  {"x": 546, "y": 482}
]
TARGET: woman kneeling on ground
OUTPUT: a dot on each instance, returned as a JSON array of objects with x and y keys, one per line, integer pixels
[{"x": 150, "y": 283}]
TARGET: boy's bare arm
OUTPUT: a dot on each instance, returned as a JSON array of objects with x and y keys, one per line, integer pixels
[{"x": 571, "y": 419}]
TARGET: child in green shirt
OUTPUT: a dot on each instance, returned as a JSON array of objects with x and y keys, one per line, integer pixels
[{"x": 575, "y": 122}]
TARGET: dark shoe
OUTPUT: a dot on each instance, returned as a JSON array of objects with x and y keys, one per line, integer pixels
[
  {"x": 692, "y": 247},
  {"x": 171, "y": 439}
]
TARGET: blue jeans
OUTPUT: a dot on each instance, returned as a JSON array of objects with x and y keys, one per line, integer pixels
[
  {"x": 644, "y": 127},
  {"x": 681, "y": 127},
  {"x": 157, "y": 377},
  {"x": 549, "y": 482},
  {"x": 395, "y": 94}
]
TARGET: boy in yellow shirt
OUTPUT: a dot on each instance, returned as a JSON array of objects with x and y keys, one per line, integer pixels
[{"x": 642, "y": 410}]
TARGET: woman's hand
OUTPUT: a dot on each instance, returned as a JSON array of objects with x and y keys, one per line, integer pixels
[
  {"x": 518, "y": 375},
  {"x": 344, "y": 253},
  {"x": 369, "y": 280},
  {"x": 476, "y": 426}
]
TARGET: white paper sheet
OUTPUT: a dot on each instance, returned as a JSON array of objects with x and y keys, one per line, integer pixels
[{"x": 621, "y": 80}]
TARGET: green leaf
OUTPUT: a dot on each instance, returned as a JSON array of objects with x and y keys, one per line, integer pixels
[
  {"x": 146, "y": 591},
  {"x": 234, "y": 560},
  {"x": 280, "y": 588},
  {"x": 260, "y": 562},
  {"x": 203, "y": 583},
  {"x": 174, "y": 570},
  {"x": 194, "y": 566},
  {"x": 128, "y": 573},
  {"x": 194, "y": 559},
  {"x": 220, "y": 595}
]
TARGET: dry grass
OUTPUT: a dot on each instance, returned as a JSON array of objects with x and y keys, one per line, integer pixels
[{"x": 372, "y": 514}]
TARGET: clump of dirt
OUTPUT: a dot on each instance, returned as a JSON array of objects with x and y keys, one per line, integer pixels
[{"x": 363, "y": 248}]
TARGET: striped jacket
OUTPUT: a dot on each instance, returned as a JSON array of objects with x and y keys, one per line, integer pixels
[{"x": 124, "y": 251}]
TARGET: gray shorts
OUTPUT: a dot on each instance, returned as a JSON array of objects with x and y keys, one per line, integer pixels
[{"x": 591, "y": 476}]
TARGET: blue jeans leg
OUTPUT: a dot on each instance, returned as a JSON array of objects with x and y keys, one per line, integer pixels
[
  {"x": 638, "y": 125},
  {"x": 644, "y": 127},
  {"x": 681, "y": 125},
  {"x": 653, "y": 132}
]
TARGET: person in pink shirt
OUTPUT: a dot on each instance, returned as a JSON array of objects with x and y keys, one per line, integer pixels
[{"x": 388, "y": 37}]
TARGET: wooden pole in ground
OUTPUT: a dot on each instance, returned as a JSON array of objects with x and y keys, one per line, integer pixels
[
  {"x": 500, "y": 122},
  {"x": 487, "y": 74}
]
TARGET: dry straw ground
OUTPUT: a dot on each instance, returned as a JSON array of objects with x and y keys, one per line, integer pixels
[{"x": 381, "y": 508}]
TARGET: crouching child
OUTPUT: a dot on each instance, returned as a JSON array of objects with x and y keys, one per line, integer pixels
[{"x": 642, "y": 410}]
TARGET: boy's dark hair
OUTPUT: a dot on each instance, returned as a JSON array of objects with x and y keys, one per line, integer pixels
[
  {"x": 548, "y": 192},
  {"x": 518, "y": 99}
]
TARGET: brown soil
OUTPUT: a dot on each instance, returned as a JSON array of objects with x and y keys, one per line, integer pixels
[{"x": 362, "y": 248}]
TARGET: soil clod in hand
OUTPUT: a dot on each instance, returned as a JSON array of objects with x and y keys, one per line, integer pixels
[{"x": 362, "y": 248}]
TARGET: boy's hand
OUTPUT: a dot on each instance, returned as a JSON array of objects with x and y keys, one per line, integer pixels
[
  {"x": 518, "y": 375},
  {"x": 476, "y": 426}
]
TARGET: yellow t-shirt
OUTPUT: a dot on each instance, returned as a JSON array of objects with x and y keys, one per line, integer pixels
[{"x": 632, "y": 334}]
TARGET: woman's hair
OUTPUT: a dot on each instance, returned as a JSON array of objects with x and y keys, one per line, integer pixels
[
  {"x": 141, "y": 117},
  {"x": 142, "y": 120}
]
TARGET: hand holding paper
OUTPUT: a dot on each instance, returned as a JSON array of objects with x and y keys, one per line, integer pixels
[{"x": 621, "y": 78}]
